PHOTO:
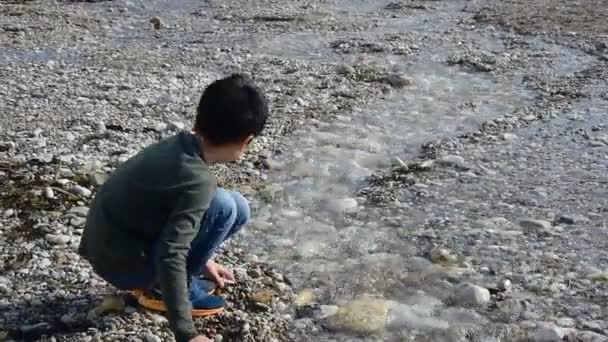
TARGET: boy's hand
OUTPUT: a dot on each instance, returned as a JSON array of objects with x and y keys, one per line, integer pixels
[
  {"x": 200, "y": 338},
  {"x": 218, "y": 274}
]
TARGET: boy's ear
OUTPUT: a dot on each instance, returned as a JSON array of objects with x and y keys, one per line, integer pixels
[{"x": 249, "y": 139}]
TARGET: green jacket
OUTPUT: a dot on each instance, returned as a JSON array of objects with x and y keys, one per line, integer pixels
[{"x": 158, "y": 196}]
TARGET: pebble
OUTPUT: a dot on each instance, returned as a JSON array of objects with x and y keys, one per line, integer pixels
[
  {"x": 326, "y": 311},
  {"x": 98, "y": 179},
  {"x": 57, "y": 239},
  {"x": 364, "y": 316},
  {"x": 149, "y": 337},
  {"x": 548, "y": 333},
  {"x": 82, "y": 191},
  {"x": 8, "y": 213},
  {"x": 443, "y": 256},
  {"x": 342, "y": 205},
  {"x": 572, "y": 219},
  {"x": 49, "y": 193},
  {"x": 504, "y": 285},
  {"x": 535, "y": 225},
  {"x": 79, "y": 211},
  {"x": 158, "y": 23},
  {"x": 452, "y": 160},
  {"x": 470, "y": 294},
  {"x": 399, "y": 81},
  {"x": 345, "y": 69},
  {"x": 5, "y": 285}
]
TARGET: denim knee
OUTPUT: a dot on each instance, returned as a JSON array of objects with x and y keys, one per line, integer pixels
[
  {"x": 243, "y": 211},
  {"x": 222, "y": 210}
]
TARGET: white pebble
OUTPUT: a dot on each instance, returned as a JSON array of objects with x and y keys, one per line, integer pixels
[{"x": 82, "y": 191}]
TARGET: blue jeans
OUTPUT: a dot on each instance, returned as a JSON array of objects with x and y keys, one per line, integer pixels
[{"x": 228, "y": 212}]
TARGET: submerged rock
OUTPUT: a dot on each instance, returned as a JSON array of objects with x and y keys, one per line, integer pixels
[{"x": 363, "y": 316}]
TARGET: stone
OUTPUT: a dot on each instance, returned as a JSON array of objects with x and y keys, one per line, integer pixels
[
  {"x": 176, "y": 126},
  {"x": 470, "y": 294},
  {"x": 531, "y": 225},
  {"x": 79, "y": 211},
  {"x": 572, "y": 219},
  {"x": 49, "y": 193},
  {"x": 452, "y": 160},
  {"x": 548, "y": 333},
  {"x": 364, "y": 316},
  {"x": 264, "y": 297},
  {"x": 111, "y": 303},
  {"x": 399, "y": 81},
  {"x": 158, "y": 23},
  {"x": 504, "y": 285},
  {"x": 397, "y": 162},
  {"x": 5, "y": 285},
  {"x": 345, "y": 69},
  {"x": 599, "y": 277},
  {"x": 342, "y": 205},
  {"x": 443, "y": 256},
  {"x": 326, "y": 311},
  {"x": 149, "y": 337},
  {"x": 304, "y": 297},
  {"x": 57, "y": 239},
  {"x": 218, "y": 338},
  {"x": 590, "y": 336},
  {"x": 82, "y": 191},
  {"x": 98, "y": 179}
]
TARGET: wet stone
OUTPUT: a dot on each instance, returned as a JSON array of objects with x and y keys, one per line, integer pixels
[
  {"x": 57, "y": 239},
  {"x": 363, "y": 316},
  {"x": 399, "y": 81},
  {"x": 548, "y": 333}
]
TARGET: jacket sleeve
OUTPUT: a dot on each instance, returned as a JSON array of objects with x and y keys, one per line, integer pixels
[{"x": 174, "y": 245}]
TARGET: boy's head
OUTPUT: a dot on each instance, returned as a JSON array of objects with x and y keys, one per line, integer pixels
[{"x": 232, "y": 111}]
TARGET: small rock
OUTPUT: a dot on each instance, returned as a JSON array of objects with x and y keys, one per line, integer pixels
[
  {"x": 254, "y": 273},
  {"x": 509, "y": 137},
  {"x": 158, "y": 23},
  {"x": 326, "y": 311},
  {"x": 590, "y": 336},
  {"x": 264, "y": 297},
  {"x": 469, "y": 294},
  {"x": 399, "y": 81},
  {"x": 218, "y": 338},
  {"x": 345, "y": 69},
  {"x": 3, "y": 335},
  {"x": 57, "y": 239},
  {"x": 6, "y": 146},
  {"x": 176, "y": 126},
  {"x": 535, "y": 225},
  {"x": 572, "y": 219},
  {"x": 305, "y": 297},
  {"x": 98, "y": 179},
  {"x": 34, "y": 328},
  {"x": 452, "y": 160},
  {"x": 79, "y": 211},
  {"x": 49, "y": 193},
  {"x": 397, "y": 162},
  {"x": 549, "y": 333},
  {"x": 5, "y": 285},
  {"x": 8, "y": 213},
  {"x": 82, "y": 191},
  {"x": 44, "y": 263},
  {"x": 504, "y": 285},
  {"x": 443, "y": 256},
  {"x": 363, "y": 316},
  {"x": 149, "y": 337},
  {"x": 342, "y": 205},
  {"x": 111, "y": 303}
]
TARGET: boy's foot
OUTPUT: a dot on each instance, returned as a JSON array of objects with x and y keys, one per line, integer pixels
[
  {"x": 207, "y": 285},
  {"x": 203, "y": 304}
]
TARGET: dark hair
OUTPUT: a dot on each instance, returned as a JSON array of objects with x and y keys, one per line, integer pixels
[{"x": 230, "y": 109}]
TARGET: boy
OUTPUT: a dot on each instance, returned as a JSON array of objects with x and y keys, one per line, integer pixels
[{"x": 155, "y": 224}]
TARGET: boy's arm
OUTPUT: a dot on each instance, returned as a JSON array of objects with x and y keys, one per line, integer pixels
[{"x": 173, "y": 249}]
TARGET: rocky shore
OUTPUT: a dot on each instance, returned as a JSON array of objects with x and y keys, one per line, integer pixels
[{"x": 482, "y": 211}]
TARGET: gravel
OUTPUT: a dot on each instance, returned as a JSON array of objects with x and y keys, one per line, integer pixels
[{"x": 466, "y": 200}]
